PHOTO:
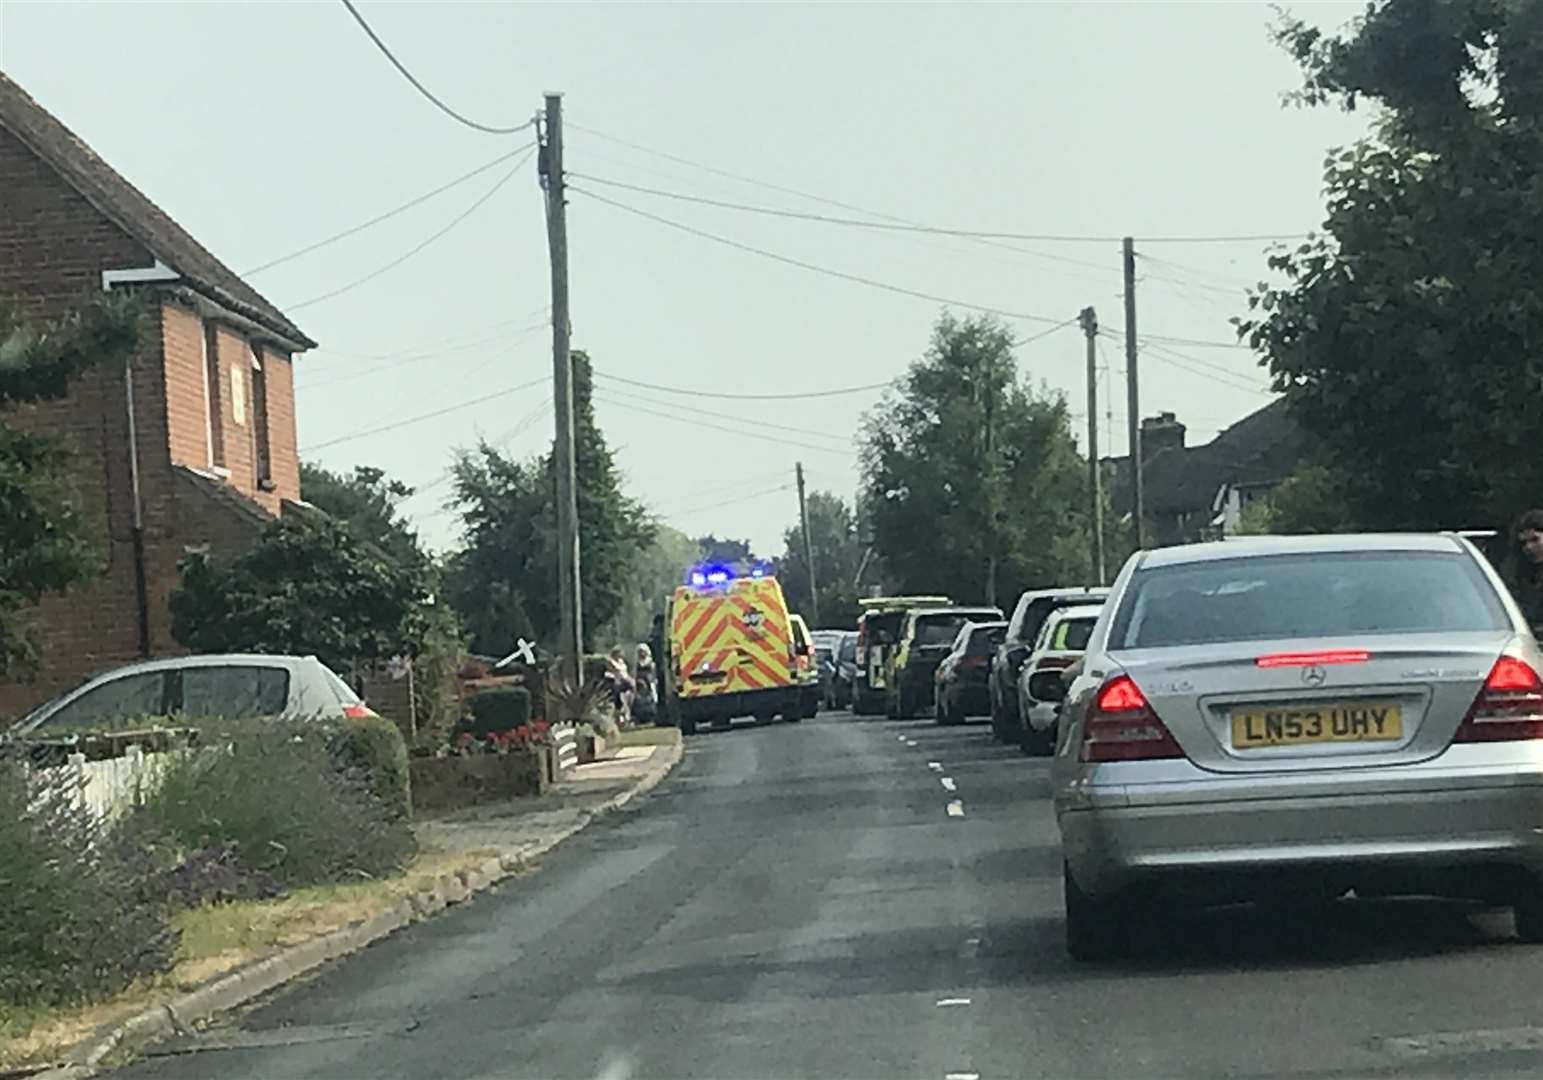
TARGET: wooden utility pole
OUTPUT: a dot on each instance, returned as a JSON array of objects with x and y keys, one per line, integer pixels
[
  {"x": 992, "y": 495},
  {"x": 1089, "y": 320},
  {"x": 1133, "y": 396},
  {"x": 570, "y": 595},
  {"x": 803, "y": 523}
]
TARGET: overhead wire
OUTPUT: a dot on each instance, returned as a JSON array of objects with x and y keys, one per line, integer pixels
[
  {"x": 519, "y": 336},
  {"x": 394, "y": 263},
  {"x": 452, "y": 343},
  {"x": 717, "y": 503},
  {"x": 421, "y": 417},
  {"x": 424, "y": 90},
  {"x": 697, "y": 421},
  {"x": 388, "y": 215},
  {"x": 816, "y": 268},
  {"x": 693, "y": 413},
  {"x": 728, "y": 396}
]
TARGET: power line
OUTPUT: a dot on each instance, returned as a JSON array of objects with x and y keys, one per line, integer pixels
[
  {"x": 394, "y": 263},
  {"x": 756, "y": 421},
  {"x": 732, "y": 502},
  {"x": 418, "y": 359},
  {"x": 841, "y": 274},
  {"x": 839, "y": 392},
  {"x": 388, "y": 215},
  {"x": 501, "y": 441},
  {"x": 453, "y": 343},
  {"x": 421, "y": 416},
  {"x": 742, "y": 432},
  {"x": 1264, "y": 237},
  {"x": 1196, "y": 366},
  {"x": 424, "y": 90}
]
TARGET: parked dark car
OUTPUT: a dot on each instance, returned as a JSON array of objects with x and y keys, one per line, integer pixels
[
  {"x": 1030, "y": 613},
  {"x": 840, "y": 690},
  {"x": 960, "y": 687}
]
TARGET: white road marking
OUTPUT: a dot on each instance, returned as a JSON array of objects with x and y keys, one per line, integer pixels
[
  {"x": 900, "y": 737},
  {"x": 970, "y": 949},
  {"x": 961, "y": 1076},
  {"x": 1456, "y": 1043},
  {"x": 956, "y": 808},
  {"x": 948, "y": 1003},
  {"x": 910, "y": 742},
  {"x": 948, "y": 784},
  {"x": 935, "y": 766}
]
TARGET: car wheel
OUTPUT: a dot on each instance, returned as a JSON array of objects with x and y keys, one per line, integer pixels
[
  {"x": 1094, "y": 927},
  {"x": 687, "y": 726},
  {"x": 1529, "y": 914},
  {"x": 1037, "y": 743},
  {"x": 940, "y": 715}
]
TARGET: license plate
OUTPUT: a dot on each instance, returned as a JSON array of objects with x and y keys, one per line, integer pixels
[{"x": 1331, "y": 722}]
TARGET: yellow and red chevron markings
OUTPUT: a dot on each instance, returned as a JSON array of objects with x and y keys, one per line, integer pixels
[{"x": 720, "y": 632}]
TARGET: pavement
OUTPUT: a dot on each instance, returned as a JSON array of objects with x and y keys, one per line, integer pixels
[{"x": 864, "y": 898}]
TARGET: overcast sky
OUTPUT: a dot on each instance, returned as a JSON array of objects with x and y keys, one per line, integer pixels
[{"x": 264, "y": 127}]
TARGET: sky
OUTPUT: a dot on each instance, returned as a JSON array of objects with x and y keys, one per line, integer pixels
[{"x": 266, "y": 127}]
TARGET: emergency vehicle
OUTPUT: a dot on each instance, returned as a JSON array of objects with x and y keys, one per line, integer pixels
[
  {"x": 878, "y": 635},
  {"x": 729, "y": 650}
]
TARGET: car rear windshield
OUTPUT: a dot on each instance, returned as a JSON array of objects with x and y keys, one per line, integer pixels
[
  {"x": 1329, "y": 594},
  {"x": 1072, "y": 635},
  {"x": 983, "y": 641},
  {"x": 943, "y": 629}
]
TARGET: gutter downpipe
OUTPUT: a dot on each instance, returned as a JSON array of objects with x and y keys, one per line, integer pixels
[{"x": 158, "y": 272}]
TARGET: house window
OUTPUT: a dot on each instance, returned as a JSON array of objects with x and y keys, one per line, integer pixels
[
  {"x": 214, "y": 427},
  {"x": 263, "y": 456},
  {"x": 238, "y": 395}
]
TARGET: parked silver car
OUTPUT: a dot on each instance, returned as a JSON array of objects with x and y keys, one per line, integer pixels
[
  {"x": 1058, "y": 646},
  {"x": 1302, "y": 716},
  {"x": 197, "y": 688}
]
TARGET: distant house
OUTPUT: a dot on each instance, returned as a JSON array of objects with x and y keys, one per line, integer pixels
[
  {"x": 194, "y": 446},
  {"x": 1199, "y": 492}
]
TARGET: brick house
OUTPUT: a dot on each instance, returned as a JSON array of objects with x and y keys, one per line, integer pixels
[{"x": 193, "y": 447}]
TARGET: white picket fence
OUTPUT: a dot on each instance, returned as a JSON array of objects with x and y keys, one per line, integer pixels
[
  {"x": 109, "y": 787},
  {"x": 566, "y": 738}
]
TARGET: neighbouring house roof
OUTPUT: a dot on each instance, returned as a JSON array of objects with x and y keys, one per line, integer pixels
[
  {"x": 128, "y": 207},
  {"x": 218, "y": 490},
  {"x": 1262, "y": 448}
]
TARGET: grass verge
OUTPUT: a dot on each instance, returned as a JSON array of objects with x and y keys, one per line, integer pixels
[{"x": 220, "y": 938}]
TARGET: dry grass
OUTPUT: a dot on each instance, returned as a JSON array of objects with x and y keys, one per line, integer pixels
[{"x": 220, "y": 938}]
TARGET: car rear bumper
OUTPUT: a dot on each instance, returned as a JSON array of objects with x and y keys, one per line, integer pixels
[
  {"x": 1147, "y": 833},
  {"x": 970, "y": 698}
]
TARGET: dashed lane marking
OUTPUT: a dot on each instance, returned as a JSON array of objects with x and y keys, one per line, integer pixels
[
  {"x": 948, "y": 784},
  {"x": 935, "y": 766},
  {"x": 1459, "y": 1043},
  {"x": 961, "y": 1076},
  {"x": 949, "y": 1003},
  {"x": 956, "y": 808}
]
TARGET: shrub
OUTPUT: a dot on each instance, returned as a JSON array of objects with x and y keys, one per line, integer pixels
[
  {"x": 274, "y": 793},
  {"x": 372, "y": 748},
  {"x": 497, "y": 710},
  {"x": 73, "y": 927}
]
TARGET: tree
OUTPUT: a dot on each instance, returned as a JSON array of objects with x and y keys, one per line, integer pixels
[
  {"x": 1409, "y": 336},
  {"x": 45, "y": 546},
  {"x": 367, "y": 501},
  {"x": 838, "y": 551},
  {"x": 309, "y": 586},
  {"x": 660, "y": 567},
  {"x": 505, "y": 578},
  {"x": 963, "y": 463}
]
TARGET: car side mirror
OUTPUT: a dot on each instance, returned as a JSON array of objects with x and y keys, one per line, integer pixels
[{"x": 1047, "y": 685}]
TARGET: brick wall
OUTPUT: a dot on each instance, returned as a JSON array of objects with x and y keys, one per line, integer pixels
[
  {"x": 283, "y": 447},
  {"x": 182, "y": 332}
]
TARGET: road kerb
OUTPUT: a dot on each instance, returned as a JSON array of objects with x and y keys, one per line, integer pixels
[{"x": 236, "y": 988}]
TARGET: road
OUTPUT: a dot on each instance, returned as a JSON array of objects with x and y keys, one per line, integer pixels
[{"x": 799, "y": 900}]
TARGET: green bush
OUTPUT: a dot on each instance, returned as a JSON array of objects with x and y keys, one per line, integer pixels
[
  {"x": 372, "y": 747},
  {"x": 496, "y": 711},
  {"x": 275, "y": 793},
  {"x": 74, "y": 926}
]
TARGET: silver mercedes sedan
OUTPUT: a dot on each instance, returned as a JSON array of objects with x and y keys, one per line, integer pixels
[{"x": 1293, "y": 718}]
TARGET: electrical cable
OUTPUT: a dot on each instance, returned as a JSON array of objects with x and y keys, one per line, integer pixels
[
  {"x": 388, "y": 215},
  {"x": 841, "y": 274},
  {"x": 421, "y": 357},
  {"x": 454, "y": 343},
  {"x": 698, "y": 422},
  {"x": 858, "y": 209},
  {"x": 730, "y": 502},
  {"x": 697, "y": 413},
  {"x": 841, "y": 391},
  {"x": 393, "y": 264},
  {"x": 424, "y": 90},
  {"x": 420, "y": 417}
]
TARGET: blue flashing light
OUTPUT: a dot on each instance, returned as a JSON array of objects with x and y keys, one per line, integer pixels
[
  {"x": 704, "y": 577},
  {"x": 758, "y": 572},
  {"x": 697, "y": 578}
]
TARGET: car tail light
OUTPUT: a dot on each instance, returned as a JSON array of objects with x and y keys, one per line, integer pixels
[
  {"x": 1121, "y": 726},
  {"x": 1509, "y": 708},
  {"x": 1308, "y": 659},
  {"x": 357, "y": 712}
]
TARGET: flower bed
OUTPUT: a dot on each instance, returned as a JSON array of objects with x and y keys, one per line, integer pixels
[{"x": 459, "y": 780}]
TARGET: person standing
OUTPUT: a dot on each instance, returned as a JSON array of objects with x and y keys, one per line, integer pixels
[
  {"x": 645, "y": 690},
  {"x": 621, "y": 685},
  {"x": 1523, "y": 570}
]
